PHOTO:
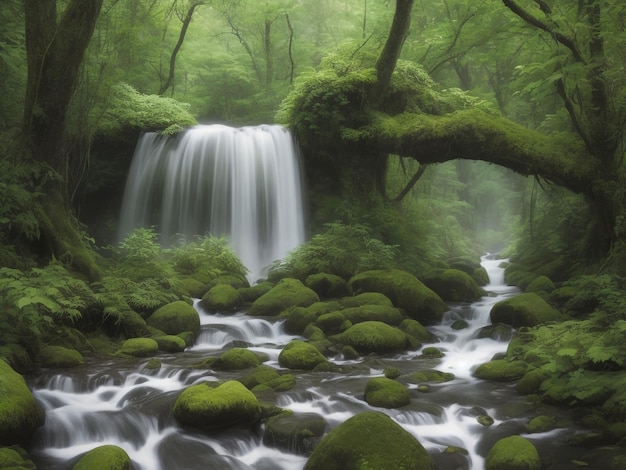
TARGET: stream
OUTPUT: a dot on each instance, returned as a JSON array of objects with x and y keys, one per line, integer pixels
[{"x": 125, "y": 404}]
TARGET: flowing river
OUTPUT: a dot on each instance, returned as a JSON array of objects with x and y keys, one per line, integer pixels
[{"x": 109, "y": 401}]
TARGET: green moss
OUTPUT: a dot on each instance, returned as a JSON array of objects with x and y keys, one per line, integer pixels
[
  {"x": 374, "y": 336},
  {"x": 369, "y": 441},
  {"x": 382, "y": 313},
  {"x": 313, "y": 333},
  {"x": 526, "y": 309},
  {"x": 15, "y": 459},
  {"x": 542, "y": 424},
  {"x": 453, "y": 285},
  {"x": 222, "y": 298},
  {"x": 513, "y": 453},
  {"x": 327, "y": 286},
  {"x": 431, "y": 352},
  {"x": 170, "y": 343},
  {"x": 299, "y": 318},
  {"x": 228, "y": 404},
  {"x": 531, "y": 381},
  {"x": 250, "y": 294},
  {"x": 333, "y": 322},
  {"x": 415, "y": 329},
  {"x": 386, "y": 393},
  {"x": 292, "y": 432},
  {"x": 404, "y": 290},
  {"x": 480, "y": 276},
  {"x": 19, "y": 413},
  {"x": 366, "y": 298},
  {"x": 237, "y": 359},
  {"x": 104, "y": 458},
  {"x": 540, "y": 284},
  {"x": 58, "y": 356},
  {"x": 422, "y": 376},
  {"x": 260, "y": 375},
  {"x": 300, "y": 355},
  {"x": 501, "y": 370},
  {"x": 175, "y": 318},
  {"x": 138, "y": 347},
  {"x": 287, "y": 293}
]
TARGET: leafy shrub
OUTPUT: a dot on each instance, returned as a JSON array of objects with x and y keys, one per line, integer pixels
[{"x": 344, "y": 250}]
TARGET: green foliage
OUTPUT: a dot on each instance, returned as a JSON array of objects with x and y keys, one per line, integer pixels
[
  {"x": 206, "y": 253},
  {"x": 341, "y": 249},
  {"x": 140, "y": 246},
  {"x": 129, "y": 109}
]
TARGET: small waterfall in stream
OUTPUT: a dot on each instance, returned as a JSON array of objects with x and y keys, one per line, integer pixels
[
  {"x": 242, "y": 183},
  {"x": 128, "y": 405}
]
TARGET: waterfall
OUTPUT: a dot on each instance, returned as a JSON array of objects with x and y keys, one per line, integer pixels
[{"x": 243, "y": 183}]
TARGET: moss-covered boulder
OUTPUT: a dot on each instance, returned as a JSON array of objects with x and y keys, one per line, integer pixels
[
  {"x": 427, "y": 375},
  {"x": 386, "y": 393},
  {"x": 366, "y": 298},
  {"x": 415, "y": 329},
  {"x": 333, "y": 322},
  {"x": 58, "y": 356},
  {"x": 250, "y": 294},
  {"x": 374, "y": 336},
  {"x": 299, "y": 318},
  {"x": 296, "y": 433},
  {"x": 174, "y": 318},
  {"x": 453, "y": 285},
  {"x": 527, "y": 309},
  {"x": 327, "y": 286},
  {"x": 383, "y": 313},
  {"x": 369, "y": 440},
  {"x": 206, "y": 407},
  {"x": 170, "y": 343},
  {"x": 501, "y": 370},
  {"x": 540, "y": 284},
  {"x": 531, "y": 381},
  {"x": 404, "y": 290},
  {"x": 300, "y": 355},
  {"x": 15, "y": 458},
  {"x": 542, "y": 423},
  {"x": 19, "y": 413},
  {"x": 287, "y": 293},
  {"x": 237, "y": 359},
  {"x": 138, "y": 347},
  {"x": 513, "y": 453},
  {"x": 260, "y": 375},
  {"x": 222, "y": 298},
  {"x": 104, "y": 458},
  {"x": 481, "y": 276}
]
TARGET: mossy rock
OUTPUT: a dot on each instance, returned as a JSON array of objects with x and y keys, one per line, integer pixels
[
  {"x": 138, "y": 347},
  {"x": 383, "y": 313},
  {"x": 206, "y": 407},
  {"x": 300, "y": 355},
  {"x": 20, "y": 414},
  {"x": 404, "y": 290},
  {"x": 175, "y": 318},
  {"x": 366, "y": 298},
  {"x": 222, "y": 298},
  {"x": 453, "y": 285},
  {"x": 170, "y": 343},
  {"x": 459, "y": 324},
  {"x": 415, "y": 329},
  {"x": 250, "y": 294},
  {"x": 281, "y": 383},
  {"x": 542, "y": 423},
  {"x": 480, "y": 276},
  {"x": 428, "y": 375},
  {"x": 296, "y": 433},
  {"x": 287, "y": 293},
  {"x": 260, "y": 375},
  {"x": 432, "y": 352},
  {"x": 369, "y": 440},
  {"x": 237, "y": 359},
  {"x": 467, "y": 264},
  {"x": 513, "y": 453},
  {"x": 501, "y": 370},
  {"x": 333, "y": 322},
  {"x": 386, "y": 393},
  {"x": 299, "y": 318},
  {"x": 374, "y": 336},
  {"x": 132, "y": 325},
  {"x": 15, "y": 459},
  {"x": 540, "y": 284},
  {"x": 327, "y": 286},
  {"x": 531, "y": 381},
  {"x": 527, "y": 309},
  {"x": 192, "y": 287},
  {"x": 104, "y": 458},
  {"x": 58, "y": 356},
  {"x": 314, "y": 333},
  {"x": 17, "y": 357}
]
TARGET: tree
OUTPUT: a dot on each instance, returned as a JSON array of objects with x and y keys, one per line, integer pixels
[{"x": 55, "y": 52}]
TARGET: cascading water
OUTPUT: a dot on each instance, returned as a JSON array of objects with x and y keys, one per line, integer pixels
[
  {"x": 242, "y": 183},
  {"x": 130, "y": 406}
]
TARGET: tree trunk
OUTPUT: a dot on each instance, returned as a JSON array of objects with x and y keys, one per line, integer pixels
[
  {"x": 55, "y": 54},
  {"x": 386, "y": 63}
]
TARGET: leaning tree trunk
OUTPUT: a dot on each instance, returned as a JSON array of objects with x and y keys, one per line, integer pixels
[{"x": 55, "y": 52}]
